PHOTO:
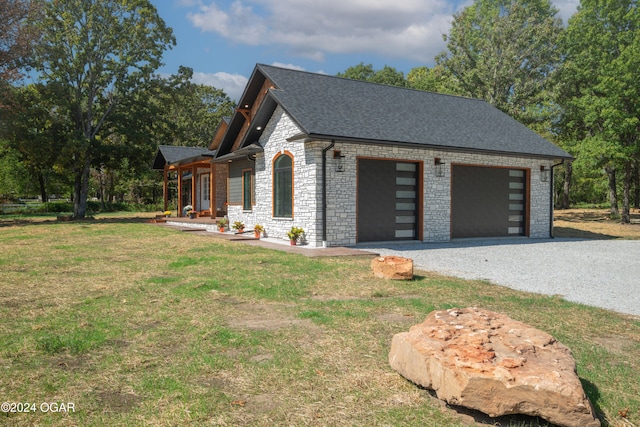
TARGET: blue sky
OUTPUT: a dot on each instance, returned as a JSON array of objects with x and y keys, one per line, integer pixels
[{"x": 223, "y": 40}]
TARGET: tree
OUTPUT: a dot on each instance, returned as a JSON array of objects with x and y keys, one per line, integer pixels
[
  {"x": 14, "y": 177},
  {"x": 36, "y": 132},
  {"x": 387, "y": 75},
  {"x": 171, "y": 110},
  {"x": 599, "y": 92},
  {"x": 504, "y": 51},
  {"x": 15, "y": 37},
  {"x": 194, "y": 110},
  {"x": 98, "y": 52},
  {"x": 432, "y": 80}
]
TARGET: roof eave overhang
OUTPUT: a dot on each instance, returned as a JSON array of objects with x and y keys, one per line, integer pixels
[
  {"x": 241, "y": 153},
  {"x": 204, "y": 158},
  {"x": 424, "y": 146}
]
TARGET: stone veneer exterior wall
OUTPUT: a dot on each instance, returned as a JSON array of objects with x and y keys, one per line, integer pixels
[{"x": 341, "y": 186}]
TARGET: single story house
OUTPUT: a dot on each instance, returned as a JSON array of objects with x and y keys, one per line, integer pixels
[{"x": 351, "y": 162}]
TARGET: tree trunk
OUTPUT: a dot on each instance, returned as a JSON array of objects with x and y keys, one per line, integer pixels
[
  {"x": 77, "y": 185},
  {"x": 102, "y": 191},
  {"x": 636, "y": 184},
  {"x": 568, "y": 174},
  {"x": 43, "y": 188},
  {"x": 613, "y": 194},
  {"x": 81, "y": 189},
  {"x": 626, "y": 193}
]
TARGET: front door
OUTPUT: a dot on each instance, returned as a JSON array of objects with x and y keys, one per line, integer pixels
[{"x": 205, "y": 192}]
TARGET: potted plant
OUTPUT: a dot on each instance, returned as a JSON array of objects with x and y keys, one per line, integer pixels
[
  {"x": 238, "y": 226},
  {"x": 294, "y": 234},
  {"x": 222, "y": 223},
  {"x": 257, "y": 230}
]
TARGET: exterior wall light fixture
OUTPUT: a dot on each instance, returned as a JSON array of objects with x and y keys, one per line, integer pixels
[
  {"x": 338, "y": 157},
  {"x": 544, "y": 173},
  {"x": 438, "y": 165}
]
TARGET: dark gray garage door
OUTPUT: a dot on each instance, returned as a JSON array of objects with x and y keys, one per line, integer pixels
[
  {"x": 388, "y": 207},
  {"x": 488, "y": 202}
]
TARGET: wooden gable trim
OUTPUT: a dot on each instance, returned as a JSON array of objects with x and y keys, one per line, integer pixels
[
  {"x": 249, "y": 111},
  {"x": 217, "y": 138}
]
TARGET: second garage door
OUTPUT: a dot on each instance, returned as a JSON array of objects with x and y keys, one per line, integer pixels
[{"x": 488, "y": 202}]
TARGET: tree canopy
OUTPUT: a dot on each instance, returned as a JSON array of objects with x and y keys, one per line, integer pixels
[
  {"x": 97, "y": 52},
  {"x": 387, "y": 75},
  {"x": 504, "y": 51},
  {"x": 600, "y": 91},
  {"x": 15, "y": 36}
]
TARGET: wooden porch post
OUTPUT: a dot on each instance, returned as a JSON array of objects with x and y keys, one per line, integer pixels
[
  {"x": 165, "y": 189},
  {"x": 179, "y": 213},
  {"x": 194, "y": 171},
  {"x": 212, "y": 190}
]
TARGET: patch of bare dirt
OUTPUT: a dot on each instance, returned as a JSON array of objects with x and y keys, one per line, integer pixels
[
  {"x": 116, "y": 401},
  {"x": 397, "y": 318},
  {"x": 265, "y": 317},
  {"x": 261, "y": 403},
  {"x": 594, "y": 224},
  {"x": 268, "y": 322},
  {"x": 614, "y": 344},
  {"x": 70, "y": 363}
]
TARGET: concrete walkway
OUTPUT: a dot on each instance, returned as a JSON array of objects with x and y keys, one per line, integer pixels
[{"x": 276, "y": 244}]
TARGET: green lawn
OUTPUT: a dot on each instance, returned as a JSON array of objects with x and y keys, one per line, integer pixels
[{"x": 137, "y": 324}]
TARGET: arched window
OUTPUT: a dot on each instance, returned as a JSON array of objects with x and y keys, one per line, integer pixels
[{"x": 283, "y": 186}]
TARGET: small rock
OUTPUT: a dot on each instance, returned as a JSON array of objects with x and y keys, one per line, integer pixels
[{"x": 392, "y": 267}]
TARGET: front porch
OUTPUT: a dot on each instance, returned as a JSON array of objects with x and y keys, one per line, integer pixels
[
  {"x": 192, "y": 181},
  {"x": 200, "y": 223}
]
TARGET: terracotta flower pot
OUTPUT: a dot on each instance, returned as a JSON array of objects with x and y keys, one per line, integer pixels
[
  {"x": 292, "y": 242},
  {"x": 256, "y": 234}
]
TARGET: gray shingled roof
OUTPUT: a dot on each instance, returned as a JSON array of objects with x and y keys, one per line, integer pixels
[
  {"x": 169, "y": 154},
  {"x": 332, "y": 107}
]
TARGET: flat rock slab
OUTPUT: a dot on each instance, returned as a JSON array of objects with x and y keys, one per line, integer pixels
[{"x": 489, "y": 362}]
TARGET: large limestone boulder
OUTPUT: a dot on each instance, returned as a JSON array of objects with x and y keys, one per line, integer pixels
[
  {"x": 488, "y": 362},
  {"x": 392, "y": 267}
]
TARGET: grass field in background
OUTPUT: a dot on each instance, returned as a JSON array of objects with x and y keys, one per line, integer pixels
[{"x": 138, "y": 324}]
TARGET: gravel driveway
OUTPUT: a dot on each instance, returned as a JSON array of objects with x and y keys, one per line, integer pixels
[{"x": 601, "y": 273}]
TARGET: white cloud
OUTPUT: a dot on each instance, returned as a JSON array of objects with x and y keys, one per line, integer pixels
[
  {"x": 410, "y": 29},
  {"x": 231, "y": 84},
  {"x": 188, "y": 3},
  {"x": 312, "y": 28},
  {"x": 289, "y": 66}
]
